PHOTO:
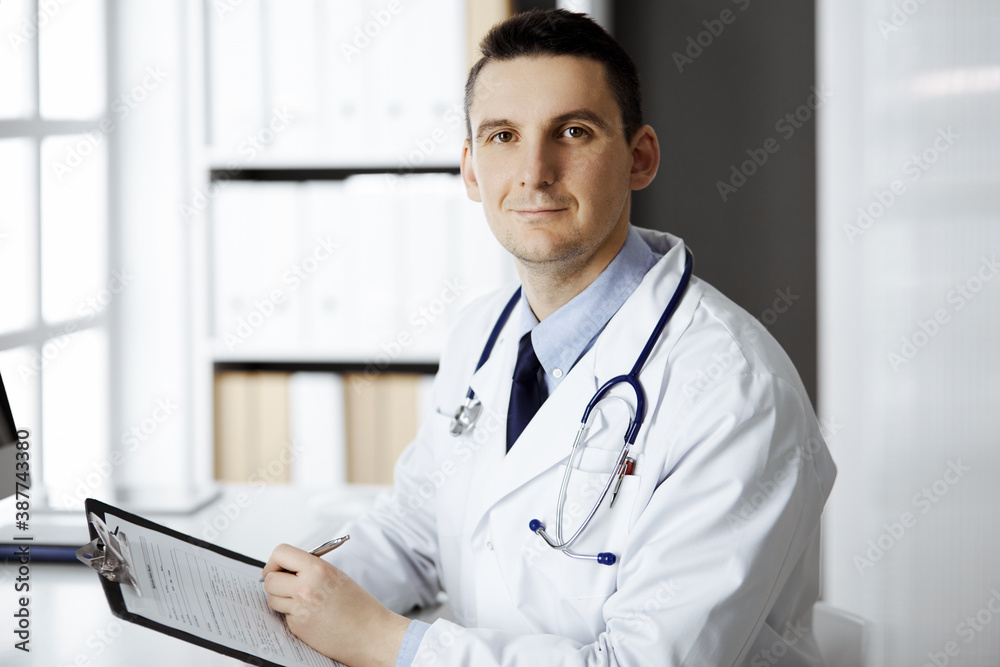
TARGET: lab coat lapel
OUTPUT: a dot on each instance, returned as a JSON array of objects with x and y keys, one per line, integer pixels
[
  {"x": 546, "y": 440},
  {"x": 626, "y": 334},
  {"x": 492, "y": 382},
  {"x": 492, "y": 385}
]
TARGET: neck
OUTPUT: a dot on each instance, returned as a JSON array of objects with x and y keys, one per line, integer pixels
[{"x": 550, "y": 286}]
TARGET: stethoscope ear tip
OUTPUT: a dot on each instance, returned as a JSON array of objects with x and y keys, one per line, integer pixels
[
  {"x": 535, "y": 525},
  {"x": 606, "y": 558}
]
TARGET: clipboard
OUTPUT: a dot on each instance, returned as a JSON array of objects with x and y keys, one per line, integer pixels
[{"x": 117, "y": 558}]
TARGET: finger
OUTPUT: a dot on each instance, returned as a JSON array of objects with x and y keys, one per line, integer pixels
[
  {"x": 281, "y": 605},
  {"x": 287, "y": 557},
  {"x": 271, "y": 565},
  {"x": 281, "y": 584}
]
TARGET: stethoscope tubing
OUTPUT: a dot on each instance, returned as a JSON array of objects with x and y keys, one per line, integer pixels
[
  {"x": 563, "y": 545},
  {"x": 492, "y": 340},
  {"x": 465, "y": 418},
  {"x": 632, "y": 377}
]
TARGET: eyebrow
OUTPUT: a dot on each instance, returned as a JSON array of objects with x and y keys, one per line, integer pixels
[{"x": 577, "y": 114}]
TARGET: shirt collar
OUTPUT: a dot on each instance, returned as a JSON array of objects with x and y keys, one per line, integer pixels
[{"x": 569, "y": 332}]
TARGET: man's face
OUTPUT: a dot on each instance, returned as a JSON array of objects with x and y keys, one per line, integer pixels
[{"x": 548, "y": 159}]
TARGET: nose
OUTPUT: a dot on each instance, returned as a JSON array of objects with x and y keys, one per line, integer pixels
[{"x": 538, "y": 167}]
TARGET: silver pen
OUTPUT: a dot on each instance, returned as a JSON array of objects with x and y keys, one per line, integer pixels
[
  {"x": 326, "y": 547},
  {"x": 626, "y": 469}
]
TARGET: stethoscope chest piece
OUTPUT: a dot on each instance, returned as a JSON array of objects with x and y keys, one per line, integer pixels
[{"x": 465, "y": 416}]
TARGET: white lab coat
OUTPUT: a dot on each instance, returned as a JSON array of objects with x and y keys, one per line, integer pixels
[{"x": 716, "y": 532}]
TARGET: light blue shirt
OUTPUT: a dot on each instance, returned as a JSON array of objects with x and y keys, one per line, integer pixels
[
  {"x": 415, "y": 632},
  {"x": 563, "y": 338},
  {"x": 568, "y": 333}
]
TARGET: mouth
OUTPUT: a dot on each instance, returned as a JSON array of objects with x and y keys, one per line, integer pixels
[{"x": 538, "y": 213}]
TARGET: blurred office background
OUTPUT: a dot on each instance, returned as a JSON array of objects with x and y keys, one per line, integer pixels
[{"x": 233, "y": 239}]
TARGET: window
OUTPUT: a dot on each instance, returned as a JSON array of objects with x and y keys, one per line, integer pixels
[{"x": 57, "y": 286}]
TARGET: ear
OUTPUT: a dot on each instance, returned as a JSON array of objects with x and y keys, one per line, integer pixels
[
  {"x": 469, "y": 173},
  {"x": 645, "y": 157}
]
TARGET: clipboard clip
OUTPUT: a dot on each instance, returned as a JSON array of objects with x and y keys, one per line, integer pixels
[{"x": 109, "y": 554}]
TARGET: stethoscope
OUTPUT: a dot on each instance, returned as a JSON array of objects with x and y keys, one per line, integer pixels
[{"x": 467, "y": 414}]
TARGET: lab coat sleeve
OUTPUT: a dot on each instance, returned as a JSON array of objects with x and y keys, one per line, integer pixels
[
  {"x": 393, "y": 549},
  {"x": 700, "y": 571}
]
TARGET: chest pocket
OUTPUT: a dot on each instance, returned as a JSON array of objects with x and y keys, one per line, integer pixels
[
  {"x": 576, "y": 589},
  {"x": 607, "y": 531}
]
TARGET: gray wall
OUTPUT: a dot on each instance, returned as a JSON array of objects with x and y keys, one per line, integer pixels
[{"x": 760, "y": 67}]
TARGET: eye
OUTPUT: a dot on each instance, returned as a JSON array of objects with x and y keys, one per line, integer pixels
[
  {"x": 575, "y": 132},
  {"x": 502, "y": 137}
]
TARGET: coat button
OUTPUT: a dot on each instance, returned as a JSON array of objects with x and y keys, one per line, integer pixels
[{"x": 489, "y": 545}]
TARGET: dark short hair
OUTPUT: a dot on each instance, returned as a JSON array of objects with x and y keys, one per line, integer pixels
[{"x": 557, "y": 32}]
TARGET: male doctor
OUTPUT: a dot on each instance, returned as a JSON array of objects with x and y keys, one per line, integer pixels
[{"x": 715, "y": 528}]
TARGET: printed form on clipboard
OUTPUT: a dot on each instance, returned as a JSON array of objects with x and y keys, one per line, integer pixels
[{"x": 200, "y": 593}]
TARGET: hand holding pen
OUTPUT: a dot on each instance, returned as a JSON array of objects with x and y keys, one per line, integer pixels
[{"x": 325, "y": 548}]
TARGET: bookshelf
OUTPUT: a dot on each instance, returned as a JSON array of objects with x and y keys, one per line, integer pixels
[
  {"x": 338, "y": 244},
  {"x": 301, "y": 172}
]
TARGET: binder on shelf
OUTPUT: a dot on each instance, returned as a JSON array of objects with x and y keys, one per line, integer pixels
[{"x": 252, "y": 428}]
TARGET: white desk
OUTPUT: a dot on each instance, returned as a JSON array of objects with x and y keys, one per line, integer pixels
[{"x": 71, "y": 623}]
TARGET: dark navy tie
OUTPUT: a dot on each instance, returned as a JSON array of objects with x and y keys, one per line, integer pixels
[{"x": 526, "y": 392}]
